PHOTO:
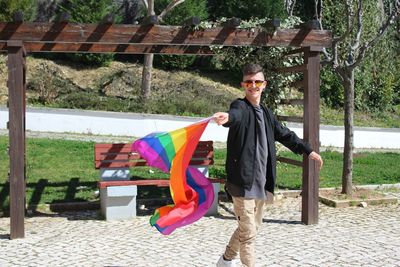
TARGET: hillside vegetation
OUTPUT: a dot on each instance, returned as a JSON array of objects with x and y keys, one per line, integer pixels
[
  {"x": 117, "y": 88},
  {"x": 63, "y": 84}
]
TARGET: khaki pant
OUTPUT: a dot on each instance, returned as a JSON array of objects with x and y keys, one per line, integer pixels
[{"x": 249, "y": 213}]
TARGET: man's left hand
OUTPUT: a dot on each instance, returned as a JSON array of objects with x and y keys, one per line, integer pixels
[{"x": 315, "y": 156}]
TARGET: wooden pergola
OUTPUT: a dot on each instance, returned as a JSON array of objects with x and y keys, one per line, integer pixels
[{"x": 18, "y": 38}]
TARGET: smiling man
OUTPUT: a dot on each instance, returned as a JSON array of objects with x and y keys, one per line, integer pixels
[{"x": 251, "y": 162}]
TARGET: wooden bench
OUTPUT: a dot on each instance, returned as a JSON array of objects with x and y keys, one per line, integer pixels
[{"x": 118, "y": 191}]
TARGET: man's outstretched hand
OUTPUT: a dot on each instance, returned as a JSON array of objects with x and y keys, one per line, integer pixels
[{"x": 221, "y": 117}]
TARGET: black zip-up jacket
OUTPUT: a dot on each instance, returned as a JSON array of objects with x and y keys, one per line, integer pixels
[{"x": 242, "y": 141}]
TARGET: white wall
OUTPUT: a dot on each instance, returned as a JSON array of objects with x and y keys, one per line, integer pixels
[{"x": 138, "y": 125}]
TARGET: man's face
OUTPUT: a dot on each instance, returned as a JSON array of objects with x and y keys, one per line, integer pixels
[{"x": 254, "y": 84}]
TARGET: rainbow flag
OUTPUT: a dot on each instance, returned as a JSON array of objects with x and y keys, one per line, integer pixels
[{"x": 191, "y": 191}]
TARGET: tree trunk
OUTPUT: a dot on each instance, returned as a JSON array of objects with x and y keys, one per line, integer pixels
[
  {"x": 347, "y": 175},
  {"x": 147, "y": 63},
  {"x": 146, "y": 75}
]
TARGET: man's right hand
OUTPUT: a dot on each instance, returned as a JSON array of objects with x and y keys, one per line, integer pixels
[{"x": 221, "y": 118}]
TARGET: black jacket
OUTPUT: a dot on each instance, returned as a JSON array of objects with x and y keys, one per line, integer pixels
[{"x": 242, "y": 141}]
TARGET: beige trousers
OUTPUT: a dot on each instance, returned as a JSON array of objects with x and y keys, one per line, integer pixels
[{"x": 249, "y": 214}]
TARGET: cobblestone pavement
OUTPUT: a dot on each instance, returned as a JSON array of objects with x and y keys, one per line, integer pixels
[{"x": 343, "y": 237}]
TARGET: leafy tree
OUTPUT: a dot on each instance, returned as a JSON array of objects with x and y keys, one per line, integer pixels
[
  {"x": 131, "y": 11},
  {"x": 8, "y": 7},
  {"x": 355, "y": 35},
  {"x": 46, "y": 9},
  {"x": 234, "y": 58},
  {"x": 90, "y": 11},
  {"x": 247, "y": 9},
  {"x": 190, "y": 8}
]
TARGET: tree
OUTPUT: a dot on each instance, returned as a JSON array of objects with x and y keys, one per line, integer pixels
[
  {"x": 46, "y": 9},
  {"x": 149, "y": 58},
  {"x": 349, "y": 48},
  {"x": 130, "y": 11},
  {"x": 86, "y": 12}
]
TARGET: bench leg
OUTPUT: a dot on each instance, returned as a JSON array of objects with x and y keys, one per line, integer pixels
[
  {"x": 118, "y": 202},
  {"x": 213, "y": 210}
]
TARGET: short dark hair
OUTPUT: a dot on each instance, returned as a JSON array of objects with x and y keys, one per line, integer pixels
[{"x": 251, "y": 68}]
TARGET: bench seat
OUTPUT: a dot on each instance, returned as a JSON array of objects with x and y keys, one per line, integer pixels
[{"x": 118, "y": 192}]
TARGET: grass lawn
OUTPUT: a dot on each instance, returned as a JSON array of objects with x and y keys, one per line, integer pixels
[{"x": 63, "y": 171}]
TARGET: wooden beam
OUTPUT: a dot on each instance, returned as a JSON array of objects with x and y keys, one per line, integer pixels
[
  {"x": 290, "y": 118},
  {"x": 311, "y": 170},
  {"x": 293, "y": 102},
  {"x": 299, "y": 85},
  {"x": 290, "y": 161},
  {"x": 297, "y": 52},
  {"x": 16, "y": 91},
  {"x": 158, "y": 35},
  {"x": 297, "y": 68},
  {"x": 34, "y": 47}
]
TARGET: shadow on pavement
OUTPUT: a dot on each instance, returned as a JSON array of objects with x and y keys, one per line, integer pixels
[{"x": 5, "y": 236}]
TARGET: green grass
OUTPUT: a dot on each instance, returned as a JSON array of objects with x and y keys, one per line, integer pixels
[
  {"x": 369, "y": 168},
  {"x": 63, "y": 171},
  {"x": 330, "y": 116}
]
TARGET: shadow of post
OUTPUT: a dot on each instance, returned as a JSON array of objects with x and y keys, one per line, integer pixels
[
  {"x": 37, "y": 194},
  {"x": 72, "y": 188}
]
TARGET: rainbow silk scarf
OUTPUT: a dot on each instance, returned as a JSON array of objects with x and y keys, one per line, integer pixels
[{"x": 191, "y": 191}]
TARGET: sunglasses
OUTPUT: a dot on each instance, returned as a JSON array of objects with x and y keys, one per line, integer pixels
[{"x": 257, "y": 83}]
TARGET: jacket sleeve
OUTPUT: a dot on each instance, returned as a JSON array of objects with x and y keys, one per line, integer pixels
[
  {"x": 235, "y": 113},
  {"x": 289, "y": 139}
]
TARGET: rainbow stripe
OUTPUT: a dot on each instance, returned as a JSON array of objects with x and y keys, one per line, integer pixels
[{"x": 191, "y": 191}]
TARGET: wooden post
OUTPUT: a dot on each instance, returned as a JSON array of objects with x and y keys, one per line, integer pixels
[
  {"x": 16, "y": 93},
  {"x": 310, "y": 198}
]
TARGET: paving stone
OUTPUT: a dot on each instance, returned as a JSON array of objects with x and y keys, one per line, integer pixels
[{"x": 343, "y": 237}]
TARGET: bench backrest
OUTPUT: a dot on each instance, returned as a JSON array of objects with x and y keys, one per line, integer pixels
[{"x": 121, "y": 156}]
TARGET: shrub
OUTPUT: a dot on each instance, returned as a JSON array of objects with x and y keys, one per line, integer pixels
[
  {"x": 332, "y": 91},
  {"x": 174, "y": 62},
  {"x": 247, "y": 9},
  {"x": 90, "y": 11},
  {"x": 8, "y": 7}
]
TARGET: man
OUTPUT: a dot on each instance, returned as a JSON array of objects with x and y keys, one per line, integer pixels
[{"x": 251, "y": 162}]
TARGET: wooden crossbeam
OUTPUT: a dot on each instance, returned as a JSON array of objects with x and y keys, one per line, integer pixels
[
  {"x": 299, "y": 84},
  {"x": 290, "y": 118},
  {"x": 157, "y": 35},
  {"x": 290, "y": 161},
  {"x": 297, "y": 68},
  {"x": 294, "y": 102},
  {"x": 113, "y": 48},
  {"x": 292, "y": 52}
]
